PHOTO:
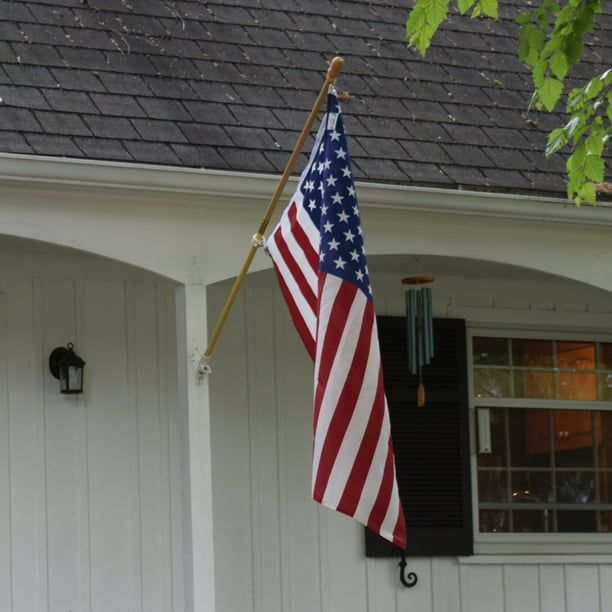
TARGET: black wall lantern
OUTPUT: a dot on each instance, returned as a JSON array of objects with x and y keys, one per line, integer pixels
[{"x": 67, "y": 366}]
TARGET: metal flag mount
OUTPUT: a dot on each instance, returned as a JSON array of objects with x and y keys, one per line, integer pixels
[{"x": 419, "y": 322}]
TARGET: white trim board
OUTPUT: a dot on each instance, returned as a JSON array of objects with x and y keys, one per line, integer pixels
[{"x": 241, "y": 187}]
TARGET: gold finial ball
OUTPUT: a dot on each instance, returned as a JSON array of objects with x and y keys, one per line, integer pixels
[{"x": 335, "y": 67}]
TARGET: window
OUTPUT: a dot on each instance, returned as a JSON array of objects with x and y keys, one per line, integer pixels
[
  {"x": 543, "y": 423},
  {"x": 539, "y": 461}
]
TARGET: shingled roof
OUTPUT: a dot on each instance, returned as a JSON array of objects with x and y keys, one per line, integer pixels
[{"x": 227, "y": 84}]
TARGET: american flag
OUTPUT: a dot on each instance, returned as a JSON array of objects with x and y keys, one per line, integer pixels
[{"x": 318, "y": 253}]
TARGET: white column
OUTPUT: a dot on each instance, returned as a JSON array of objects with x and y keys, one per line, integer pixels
[{"x": 195, "y": 403}]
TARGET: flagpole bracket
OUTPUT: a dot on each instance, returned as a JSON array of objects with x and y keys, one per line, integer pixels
[
  {"x": 202, "y": 367},
  {"x": 408, "y": 580},
  {"x": 258, "y": 240}
]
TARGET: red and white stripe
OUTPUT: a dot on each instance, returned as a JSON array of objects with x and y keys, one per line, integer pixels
[{"x": 353, "y": 464}]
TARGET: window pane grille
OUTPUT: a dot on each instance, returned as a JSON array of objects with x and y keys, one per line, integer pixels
[
  {"x": 548, "y": 470},
  {"x": 542, "y": 369},
  {"x": 549, "y": 465}
]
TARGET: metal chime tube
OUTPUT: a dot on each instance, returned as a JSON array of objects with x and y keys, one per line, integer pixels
[
  {"x": 411, "y": 316},
  {"x": 428, "y": 324},
  {"x": 420, "y": 336}
]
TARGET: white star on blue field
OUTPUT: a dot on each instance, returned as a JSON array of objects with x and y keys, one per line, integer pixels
[{"x": 331, "y": 202}]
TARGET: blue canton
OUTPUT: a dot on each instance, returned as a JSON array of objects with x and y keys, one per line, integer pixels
[{"x": 330, "y": 200}]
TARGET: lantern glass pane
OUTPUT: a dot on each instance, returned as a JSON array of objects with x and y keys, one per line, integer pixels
[
  {"x": 63, "y": 379},
  {"x": 75, "y": 377}
]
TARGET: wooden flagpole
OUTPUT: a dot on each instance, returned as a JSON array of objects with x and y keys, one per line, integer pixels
[{"x": 334, "y": 70}]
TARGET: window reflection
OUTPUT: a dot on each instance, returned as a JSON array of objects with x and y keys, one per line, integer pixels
[
  {"x": 542, "y": 369},
  {"x": 548, "y": 470},
  {"x": 532, "y": 353}
]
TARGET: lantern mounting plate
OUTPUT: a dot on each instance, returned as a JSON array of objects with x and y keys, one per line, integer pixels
[{"x": 57, "y": 354}]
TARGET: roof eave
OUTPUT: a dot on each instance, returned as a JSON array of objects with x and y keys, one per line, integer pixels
[{"x": 245, "y": 187}]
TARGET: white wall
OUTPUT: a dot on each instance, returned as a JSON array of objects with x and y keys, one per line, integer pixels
[
  {"x": 277, "y": 550},
  {"x": 90, "y": 485}
]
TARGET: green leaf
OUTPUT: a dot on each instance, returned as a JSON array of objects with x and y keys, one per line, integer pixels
[
  {"x": 594, "y": 168},
  {"x": 609, "y": 112},
  {"x": 535, "y": 36},
  {"x": 550, "y": 92},
  {"x": 543, "y": 20},
  {"x": 573, "y": 49},
  {"x": 575, "y": 99},
  {"x": 423, "y": 22},
  {"x": 571, "y": 125},
  {"x": 587, "y": 193},
  {"x": 524, "y": 18},
  {"x": 576, "y": 160},
  {"x": 437, "y": 11},
  {"x": 539, "y": 70},
  {"x": 575, "y": 181},
  {"x": 593, "y": 88},
  {"x": 559, "y": 65},
  {"x": 465, "y": 5},
  {"x": 556, "y": 139},
  {"x": 489, "y": 8}
]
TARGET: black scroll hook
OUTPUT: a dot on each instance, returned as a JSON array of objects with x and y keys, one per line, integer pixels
[{"x": 407, "y": 580}]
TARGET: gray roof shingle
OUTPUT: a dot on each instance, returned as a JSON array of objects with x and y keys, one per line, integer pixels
[{"x": 227, "y": 84}]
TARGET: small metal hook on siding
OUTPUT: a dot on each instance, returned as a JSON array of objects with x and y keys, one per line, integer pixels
[{"x": 407, "y": 580}]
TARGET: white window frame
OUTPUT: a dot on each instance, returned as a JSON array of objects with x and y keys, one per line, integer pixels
[{"x": 531, "y": 543}]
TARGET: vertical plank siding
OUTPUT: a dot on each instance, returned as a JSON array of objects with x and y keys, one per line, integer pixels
[
  {"x": 276, "y": 550},
  {"x": 90, "y": 485}
]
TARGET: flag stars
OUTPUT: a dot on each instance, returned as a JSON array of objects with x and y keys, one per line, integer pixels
[{"x": 329, "y": 198}]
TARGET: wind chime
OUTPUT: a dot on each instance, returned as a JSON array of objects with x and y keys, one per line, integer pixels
[{"x": 419, "y": 322}]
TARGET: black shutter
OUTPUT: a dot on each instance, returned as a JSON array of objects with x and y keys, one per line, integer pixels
[{"x": 431, "y": 444}]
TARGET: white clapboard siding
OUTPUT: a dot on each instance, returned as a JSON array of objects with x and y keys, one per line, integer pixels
[
  {"x": 90, "y": 485},
  {"x": 275, "y": 550}
]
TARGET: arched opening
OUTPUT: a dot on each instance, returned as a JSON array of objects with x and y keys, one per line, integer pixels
[
  {"x": 90, "y": 484},
  {"x": 261, "y": 415}
]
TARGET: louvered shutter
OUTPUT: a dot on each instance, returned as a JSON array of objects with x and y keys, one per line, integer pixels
[{"x": 431, "y": 443}]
